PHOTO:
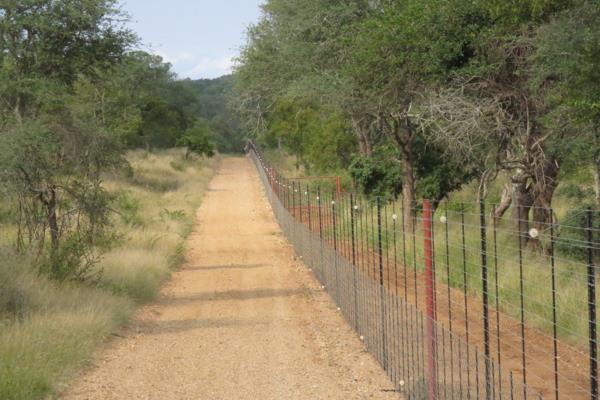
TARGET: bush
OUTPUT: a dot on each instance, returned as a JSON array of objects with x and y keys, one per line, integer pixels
[
  {"x": 7, "y": 215},
  {"x": 175, "y": 215},
  {"x": 377, "y": 177},
  {"x": 128, "y": 208},
  {"x": 574, "y": 191},
  {"x": 197, "y": 140},
  {"x": 572, "y": 233}
]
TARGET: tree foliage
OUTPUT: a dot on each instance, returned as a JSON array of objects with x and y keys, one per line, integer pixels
[
  {"x": 212, "y": 99},
  {"x": 75, "y": 93},
  {"x": 57, "y": 132},
  {"x": 197, "y": 139},
  {"x": 432, "y": 94}
]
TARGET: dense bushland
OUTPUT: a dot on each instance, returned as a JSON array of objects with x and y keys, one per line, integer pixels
[{"x": 420, "y": 98}]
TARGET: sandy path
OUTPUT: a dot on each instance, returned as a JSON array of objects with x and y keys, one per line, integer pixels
[{"x": 241, "y": 320}]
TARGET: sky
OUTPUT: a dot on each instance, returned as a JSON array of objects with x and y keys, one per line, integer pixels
[{"x": 199, "y": 37}]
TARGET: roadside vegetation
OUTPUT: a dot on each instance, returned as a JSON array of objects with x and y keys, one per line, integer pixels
[
  {"x": 49, "y": 328},
  {"x": 449, "y": 101},
  {"x": 417, "y": 99},
  {"x": 104, "y": 158}
]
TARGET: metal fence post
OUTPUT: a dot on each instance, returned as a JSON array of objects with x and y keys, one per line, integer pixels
[
  {"x": 486, "y": 310},
  {"x": 430, "y": 300},
  {"x": 309, "y": 208},
  {"x": 278, "y": 185},
  {"x": 335, "y": 248},
  {"x": 286, "y": 194},
  {"x": 554, "y": 323},
  {"x": 381, "y": 286},
  {"x": 320, "y": 214},
  {"x": 522, "y": 302},
  {"x": 591, "y": 276},
  {"x": 300, "y": 201},
  {"x": 293, "y": 200},
  {"x": 289, "y": 196},
  {"x": 354, "y": 266}
]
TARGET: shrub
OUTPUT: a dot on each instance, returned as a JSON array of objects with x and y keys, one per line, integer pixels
[
  {"x": 128, "y": 208},
  {"x": 572, "y": 233},
  {"x": 197, "y": 140}
]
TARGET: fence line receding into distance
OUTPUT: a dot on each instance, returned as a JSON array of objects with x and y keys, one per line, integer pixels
[{"x": 452, "y": 302}]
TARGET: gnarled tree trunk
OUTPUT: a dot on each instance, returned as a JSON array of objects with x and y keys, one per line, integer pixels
[
  {"x": 544, "y": 192},
  {"x": 505, "y": 203},
  {"x": 402, "y": 134},
  {"x": 596, "y": 175},
  {"x": 523, "y": 201},
  {"x": 360, "y": 126},
  {"x": 408, "y": 189}
]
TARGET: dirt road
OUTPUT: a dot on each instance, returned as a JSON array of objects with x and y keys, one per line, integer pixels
[{"x": 241, "y": 320}]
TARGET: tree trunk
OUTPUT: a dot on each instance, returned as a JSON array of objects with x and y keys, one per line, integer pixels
[
  {"x": 482, "y": 187},
  {"x": 505, "y": 203},
  {"x": 401, "y": 133},
  {"x": 408, "y": 191},
  {"x": 523, "y": 198},
  {"x": 542, "y": 212},
  {"x": 17, "y": 110},
  {"x": 363, "y": 138},
  {"x": 367, "y": 142},
  {"x": 52, "y": 218},
  {"x": 596, "y": 175},
  {"x": 544, "y": 193}
]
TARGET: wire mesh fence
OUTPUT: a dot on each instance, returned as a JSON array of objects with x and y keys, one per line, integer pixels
[{"x": 453, "y": 300}]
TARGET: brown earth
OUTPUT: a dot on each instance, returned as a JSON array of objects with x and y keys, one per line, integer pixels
[{"x": 241, "y": 320}]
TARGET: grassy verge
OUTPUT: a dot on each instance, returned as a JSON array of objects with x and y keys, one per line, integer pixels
[{"x": 48, "y": 330}]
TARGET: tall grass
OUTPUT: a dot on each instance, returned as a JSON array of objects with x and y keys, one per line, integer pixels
[
  {"x": 456, "y": 258},
  {"x": 570, "y": 273},
  {"x": 47, "y": 330}
]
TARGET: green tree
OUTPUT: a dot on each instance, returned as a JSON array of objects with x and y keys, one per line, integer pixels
[
  {"x": 56, "y": 133},
  {"x": 197, "y": 139},
  {"x": 213, "y": 100},
  {"x": 566, "y": 61}
]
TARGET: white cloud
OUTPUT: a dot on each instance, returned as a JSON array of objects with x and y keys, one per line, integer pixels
[
  {"x": 177, "y": 58},
  {"x": 211, "y": 67}
]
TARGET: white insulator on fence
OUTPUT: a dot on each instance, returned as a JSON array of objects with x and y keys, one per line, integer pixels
[{"x": 533, "y": 233}]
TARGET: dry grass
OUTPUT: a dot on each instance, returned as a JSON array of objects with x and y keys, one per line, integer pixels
[
  {"x": 48, "y": 330},
  {"x": 570, "y": 274},
  {"x": 165, "y": 191}
]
